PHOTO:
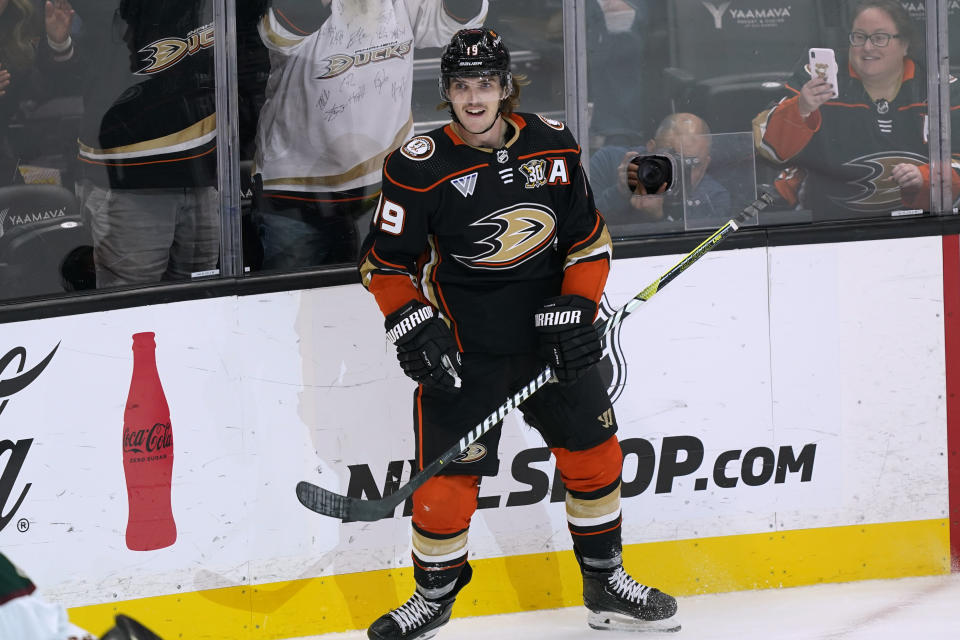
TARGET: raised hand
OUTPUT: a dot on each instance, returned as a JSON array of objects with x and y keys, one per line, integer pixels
[
  {"x": 58, "y": 18},
  {"x": 813, "y": 94}
]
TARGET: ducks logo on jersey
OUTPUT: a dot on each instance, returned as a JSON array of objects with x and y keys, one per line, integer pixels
[{"x": 522, "y": 232}]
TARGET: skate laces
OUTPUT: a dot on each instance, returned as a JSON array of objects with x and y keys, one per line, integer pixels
[
  {"x": 414, "y": 612},
  {"x": 627, "y": 587}
]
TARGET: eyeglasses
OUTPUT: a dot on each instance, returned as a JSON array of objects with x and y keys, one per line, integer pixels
[{"x": 879, "y": 39}]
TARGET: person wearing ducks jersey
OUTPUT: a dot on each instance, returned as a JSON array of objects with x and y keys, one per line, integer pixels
[
  {"x": 488, "y": 257},
  {"x": 338, "y": 100}
]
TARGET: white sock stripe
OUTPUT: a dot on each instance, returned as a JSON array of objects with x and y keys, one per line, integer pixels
[
  {"x": 594, "y": 522},
  {"x": 446, "y": 557}
]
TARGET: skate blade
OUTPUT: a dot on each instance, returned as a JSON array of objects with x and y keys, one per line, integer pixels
[{"x": 616, "y": 622}]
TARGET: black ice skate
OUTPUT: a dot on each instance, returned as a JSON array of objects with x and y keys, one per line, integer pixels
[
  {"x": 418, "y": 618},
  {"x": 618, "y": 602}
]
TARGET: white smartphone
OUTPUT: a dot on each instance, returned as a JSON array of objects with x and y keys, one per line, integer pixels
[{"x": 823, "y": 62}]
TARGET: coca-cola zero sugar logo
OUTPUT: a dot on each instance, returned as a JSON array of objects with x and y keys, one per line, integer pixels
[{"x": 147, "y": 441}]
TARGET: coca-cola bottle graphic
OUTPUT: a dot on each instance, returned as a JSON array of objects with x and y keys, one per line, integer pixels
[{"x": 147, "y": 452}]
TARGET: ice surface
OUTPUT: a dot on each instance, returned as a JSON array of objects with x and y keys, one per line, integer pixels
[{"x": 927, "y": 608}]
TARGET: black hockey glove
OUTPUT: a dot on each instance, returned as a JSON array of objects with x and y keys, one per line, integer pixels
[
  {"x": 568, "y": 341},
  {"x": 425, "y": 346}
]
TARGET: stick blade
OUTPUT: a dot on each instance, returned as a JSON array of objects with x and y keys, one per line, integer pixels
[
  {"x": 322, "y": 501},
  {"x": 334, "y": 505}
]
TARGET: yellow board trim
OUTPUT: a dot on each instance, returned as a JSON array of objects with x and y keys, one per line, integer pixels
[{"x": 543, "y": 581}]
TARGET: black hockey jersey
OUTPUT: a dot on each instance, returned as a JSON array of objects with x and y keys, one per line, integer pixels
[
  {"x": 146, "y": 72},
  {"x": 485, "y": 235},
  {"x": 849, "y": 147}
]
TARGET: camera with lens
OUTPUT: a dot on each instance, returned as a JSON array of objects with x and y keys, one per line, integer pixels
[{"x": 656, "y": 169}]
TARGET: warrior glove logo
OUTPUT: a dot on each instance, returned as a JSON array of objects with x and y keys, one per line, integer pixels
[
  {"x": 522, "y": 232},
  {"x": 409, "y": 323},
  {"x": 557, "y": 318}
]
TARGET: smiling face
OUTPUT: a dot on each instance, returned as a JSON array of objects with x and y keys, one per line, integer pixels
[
  {"x": 476, "y": 104},
  {"x": 870, "y": 61}
]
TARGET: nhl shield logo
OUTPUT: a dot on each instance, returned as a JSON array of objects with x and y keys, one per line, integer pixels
[
  {"x": 613, "y": 365},
  {"x": 502, "y": 156}
]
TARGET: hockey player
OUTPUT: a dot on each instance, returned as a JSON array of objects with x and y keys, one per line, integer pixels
[{"x": 487, "y": 257}]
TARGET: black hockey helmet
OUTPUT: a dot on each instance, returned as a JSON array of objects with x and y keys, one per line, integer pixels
[{"x": 475, "y": 52}]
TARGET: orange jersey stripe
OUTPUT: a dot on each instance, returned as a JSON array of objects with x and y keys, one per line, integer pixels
[
  {"x": 435, "y": 184},
  {"x": 548, "y": 152}
]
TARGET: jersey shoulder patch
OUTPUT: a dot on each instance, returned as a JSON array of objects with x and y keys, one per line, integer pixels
[
  {"x": 550, "y": 133},
  {"x": 420, "y": 162},
  {"x": 418, "y": 148},
  {"x": 553, "y": 124}
]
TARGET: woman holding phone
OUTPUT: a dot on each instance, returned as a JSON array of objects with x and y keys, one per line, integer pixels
[{"x": 864, "y": 152}]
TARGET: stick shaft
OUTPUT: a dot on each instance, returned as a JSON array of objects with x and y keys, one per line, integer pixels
[{"x": 338, "y": 506}]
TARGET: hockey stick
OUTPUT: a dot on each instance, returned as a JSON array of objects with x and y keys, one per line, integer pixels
[{"x": 347, "y": 508}]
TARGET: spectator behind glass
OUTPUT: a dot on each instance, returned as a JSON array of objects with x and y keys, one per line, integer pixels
[
  {"x": 338, "y": 101},
  {"x": 147, "y": 145},
  {"x": 615, "y": 177},
  {"x": 20, "y": 31},
  {"x": 863, "y": 153}
]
